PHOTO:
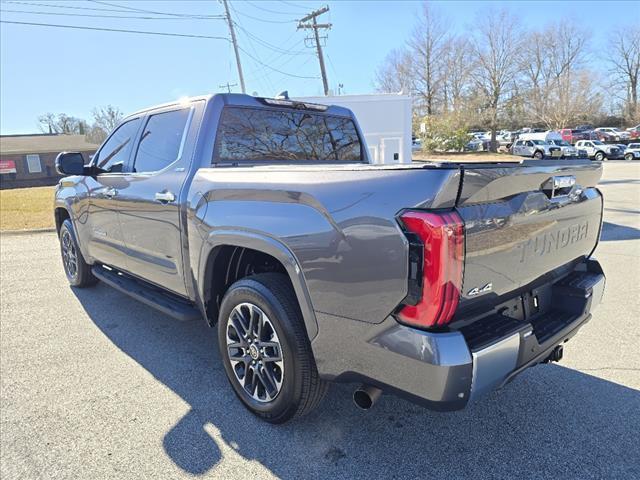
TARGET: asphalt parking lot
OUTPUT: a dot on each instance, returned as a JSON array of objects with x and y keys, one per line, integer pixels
[{"x": 95, "y": 385}]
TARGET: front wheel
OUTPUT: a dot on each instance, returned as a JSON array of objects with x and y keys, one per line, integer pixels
[
  {"x": 599, "y": 157},
  {"x": 265, "y": 349},
  {"x": 77, "y": 270},
  {"x": 538, "y": 155},
  {"x": 628, "y": 157}
]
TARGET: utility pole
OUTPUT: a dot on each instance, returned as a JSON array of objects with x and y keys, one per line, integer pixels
[
  {"x": 315, "y": 26},
  {"x": 228, "y": 86},
  {"x": 235, "y": 45}
]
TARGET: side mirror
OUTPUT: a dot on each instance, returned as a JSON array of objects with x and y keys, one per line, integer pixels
[{"x": 70, "y": 163}]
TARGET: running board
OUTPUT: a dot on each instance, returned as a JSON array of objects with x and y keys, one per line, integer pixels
[{"x": 166, "y": 302}]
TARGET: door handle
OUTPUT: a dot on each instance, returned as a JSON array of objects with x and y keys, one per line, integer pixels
[
  {"x": 110, "y": 192},
  {"x": 165, "y": 197}
]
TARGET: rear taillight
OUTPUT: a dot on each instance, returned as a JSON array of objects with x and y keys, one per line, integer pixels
[{"x": 442, "y": 241}]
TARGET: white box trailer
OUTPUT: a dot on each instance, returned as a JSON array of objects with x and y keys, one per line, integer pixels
[{"x": 385, "y": 121}]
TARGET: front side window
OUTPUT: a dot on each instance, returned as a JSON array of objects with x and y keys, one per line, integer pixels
[
  {"x": 263, "y": 135},
  {"x": 160, "y": 141},
  {"x": 113, "y": 156}
]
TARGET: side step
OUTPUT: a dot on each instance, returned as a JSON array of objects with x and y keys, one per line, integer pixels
[{"x": 166, "y": 302}]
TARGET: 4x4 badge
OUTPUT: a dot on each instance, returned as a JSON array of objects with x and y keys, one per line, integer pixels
[{"x": 478, "y": 290}]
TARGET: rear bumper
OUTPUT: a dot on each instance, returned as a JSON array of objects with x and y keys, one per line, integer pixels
[{"x": 444, "y": 371}]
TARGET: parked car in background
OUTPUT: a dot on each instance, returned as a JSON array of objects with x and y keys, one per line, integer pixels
[
  {"x": 537, "y": 149},
  {"x": 553, "y": 138},
  {"x": 615, "y": 134},
  {"x": 632, "y": 152},
  {"x": 598, "y": 150},
  {"x": 574, "y": 135},
  {"x": 634, "y": 132}
]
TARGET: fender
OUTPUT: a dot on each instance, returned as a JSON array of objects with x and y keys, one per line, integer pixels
[{"x": 266, "y": 244}]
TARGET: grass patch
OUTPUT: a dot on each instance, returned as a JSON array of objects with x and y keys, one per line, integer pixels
[{"x": 26, "y": 208}]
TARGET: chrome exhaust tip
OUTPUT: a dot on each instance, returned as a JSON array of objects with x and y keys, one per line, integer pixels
[{"x": 366, "y": 396}]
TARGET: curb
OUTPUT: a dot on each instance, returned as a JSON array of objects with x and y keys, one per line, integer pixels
[{"x": 27, "y": 232}]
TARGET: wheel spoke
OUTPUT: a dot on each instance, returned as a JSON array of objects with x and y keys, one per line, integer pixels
[{"x": 271, "y": 351}]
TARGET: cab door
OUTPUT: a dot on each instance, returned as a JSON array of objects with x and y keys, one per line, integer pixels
[
  {"x": 99, "y": 230},
  {"x": 151, "y": 203}
]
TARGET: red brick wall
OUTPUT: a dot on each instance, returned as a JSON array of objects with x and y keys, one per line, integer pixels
[{"x": 22, "y": 177}]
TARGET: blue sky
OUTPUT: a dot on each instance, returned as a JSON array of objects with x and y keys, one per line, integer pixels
[{"x": 63, "y": 70}]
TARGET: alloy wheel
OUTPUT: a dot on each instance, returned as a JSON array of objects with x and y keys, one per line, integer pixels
[
  {"x": 255, "y": 352},
  {"x": 69, "y": 254}
]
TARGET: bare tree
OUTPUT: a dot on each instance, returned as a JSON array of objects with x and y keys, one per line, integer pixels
[
  {"x": 427, "y": 46},
  {"x": 497, "y": 37},
  {"x": 61, "y": 124},
  {"x": 394, "y": 75},
  {"x": 552, "y": 63},
  {"x": 107, "y": 117},
  {"x": 624, "y": 56},
  {"x": 456, "y": 55}
]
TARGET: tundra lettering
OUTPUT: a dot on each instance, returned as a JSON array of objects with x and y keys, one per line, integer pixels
[
  {"x": 551, "y": 241},
  {"x": 267, "y": 219}
]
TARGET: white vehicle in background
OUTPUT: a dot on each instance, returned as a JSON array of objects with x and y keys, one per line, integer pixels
[
  {"x": 553, "y": 138},
  {"x": 598, "y": 150},
  {"x": 632, "y": 152},
  {"x": 537, "y": 149},
  {"x": 614, "y": 133}
]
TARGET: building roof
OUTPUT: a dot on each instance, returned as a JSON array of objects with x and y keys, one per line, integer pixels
[{"x": 43, "y": 143}]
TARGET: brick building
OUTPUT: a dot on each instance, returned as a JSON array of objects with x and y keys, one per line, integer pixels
[{"x": 29, "y": 160}]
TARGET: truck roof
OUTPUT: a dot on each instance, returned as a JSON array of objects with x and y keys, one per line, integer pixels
[{"x": 238, "y": 99}]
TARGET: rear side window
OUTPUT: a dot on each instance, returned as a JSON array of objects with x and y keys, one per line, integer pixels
[
  {"x": 160, "y": 141},
  {"x": 269, "y": 135}
]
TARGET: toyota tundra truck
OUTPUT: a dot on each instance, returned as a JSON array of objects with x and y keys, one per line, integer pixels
[{"x": 435, "y": 281}]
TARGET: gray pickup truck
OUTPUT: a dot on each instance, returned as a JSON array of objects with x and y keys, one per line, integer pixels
[{"x": 265, "y": 217}]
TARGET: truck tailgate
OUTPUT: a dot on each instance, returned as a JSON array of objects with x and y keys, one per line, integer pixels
[{"x": 525, "y": 222}]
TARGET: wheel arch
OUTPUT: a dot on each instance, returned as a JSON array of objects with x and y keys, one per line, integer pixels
[
  {"x": 224, "y": 250},
  {"x": 60, "y": 214}
]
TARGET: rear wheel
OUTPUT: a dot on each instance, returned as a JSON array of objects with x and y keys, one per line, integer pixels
[
  {"x": 77, "y": 270},
  {"x": 265, "y": 350},
  {"x": 599, "y": 156}
]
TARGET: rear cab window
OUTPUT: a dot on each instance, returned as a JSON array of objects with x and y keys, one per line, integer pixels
[{"x": 269, "y": 135}]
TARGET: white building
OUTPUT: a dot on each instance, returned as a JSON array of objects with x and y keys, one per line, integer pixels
[{"x": 385, "y": 120}]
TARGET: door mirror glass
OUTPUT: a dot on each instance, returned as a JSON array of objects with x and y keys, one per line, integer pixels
[{"x": 70, "y": 163}]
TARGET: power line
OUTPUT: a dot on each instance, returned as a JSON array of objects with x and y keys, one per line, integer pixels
[
  {"x": 294, "y": 5},
  {"x": 265, "y": 9},
  {"x": 272, "y": 68},
  {"x": 262, "y": 19},
  {"x": 270, "y": 46},
  {"x": 134, "y": 9},
  {"x": 94, "y": 15},
  {"x": 141, "y": 32}
]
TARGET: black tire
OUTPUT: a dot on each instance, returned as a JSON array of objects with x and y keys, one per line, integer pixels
[
  {"x": 77, "y": 270},
  {"x": 301, "y": 388},
  {"x": 599, "y": 157},
  {"x": 628, "y": 157},
  {"x": 538, "y": 155}
]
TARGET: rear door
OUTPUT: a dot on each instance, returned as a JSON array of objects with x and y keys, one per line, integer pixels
[{"x": 151, "y": 204}]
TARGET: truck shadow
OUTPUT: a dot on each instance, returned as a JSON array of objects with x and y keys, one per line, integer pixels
[
  {"x": 551, "y": 421},
  {"x": 615, "y": 232}
]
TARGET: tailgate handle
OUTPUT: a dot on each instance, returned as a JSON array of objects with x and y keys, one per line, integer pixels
[{"x": 559, "y": 186}]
